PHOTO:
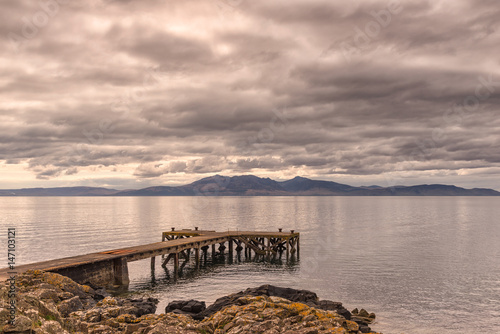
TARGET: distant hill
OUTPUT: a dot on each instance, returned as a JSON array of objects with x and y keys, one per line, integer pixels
[
  {"x": 61, "y": 191},
  {"x": 250, "y": 185},
  {"x": 306, "y": 186},
  {"x": 245, "y": 185}
]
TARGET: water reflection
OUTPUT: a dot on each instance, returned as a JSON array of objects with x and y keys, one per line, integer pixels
[
  {"x": 422, "y": 264},
  {"x": 162, "y": 278}
]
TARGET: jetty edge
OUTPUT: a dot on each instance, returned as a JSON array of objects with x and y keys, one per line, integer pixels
[{"x": 48, "y": 303}]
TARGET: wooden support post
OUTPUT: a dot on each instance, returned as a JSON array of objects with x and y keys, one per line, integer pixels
[
  {"x": 287, "y": 248},
  {"x": 205, "y": 253},
  {"x": 185, "y": 255},
  {"x": 298, "y": 247},
  {"x": 231, "y": 248},
  {"x": 169, "y": 257},
  {"x": 153, "y": 263},
  {"x": 268, "y": 251},
  {"x": 176, "y": 264},
  {"x": 120, "y": 270},
  {"x": 222, "y": 248},
  {"x": 197, "y": 257}
]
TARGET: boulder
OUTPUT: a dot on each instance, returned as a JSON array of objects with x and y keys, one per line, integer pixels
[
  {"x": 294, "y": 295},
  {"x": 186, "y": 306},
  {"x": 70, "y": 305},
  {"x": 21, "y": 324},
  {"x": 52, "y": 327},
  {"x": 141, "y": 306}
]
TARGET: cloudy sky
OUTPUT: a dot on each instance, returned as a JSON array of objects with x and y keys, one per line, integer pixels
[{"x": 128, "y": 94}]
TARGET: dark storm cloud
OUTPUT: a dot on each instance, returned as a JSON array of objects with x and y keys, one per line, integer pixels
[{"x": 162, "y": 90}]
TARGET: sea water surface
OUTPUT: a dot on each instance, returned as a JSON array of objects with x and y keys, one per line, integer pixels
[{"x": 422, "y": 264}]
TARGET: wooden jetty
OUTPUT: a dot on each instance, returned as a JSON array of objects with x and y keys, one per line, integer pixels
[{"x": 110, "y": 267}]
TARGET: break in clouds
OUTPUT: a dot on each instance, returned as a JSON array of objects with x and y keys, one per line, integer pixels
[{"x": 131, "y": 93}]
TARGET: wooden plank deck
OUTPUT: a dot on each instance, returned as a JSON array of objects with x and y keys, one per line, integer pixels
[{"x": 186, "y": 240}]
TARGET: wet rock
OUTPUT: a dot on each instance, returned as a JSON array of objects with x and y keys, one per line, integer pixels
[
  {"x": 364, "y": 329},
  {"x": 328, "y": 305},
  {"x": 188, "y": 306},
  {"x": 142, "y": 306},
  {"x": 363, "y": 313},
  {"x": 100, "y": 294}
]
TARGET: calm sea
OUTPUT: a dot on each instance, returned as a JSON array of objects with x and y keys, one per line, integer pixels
[{"x": 422, "y": 264}]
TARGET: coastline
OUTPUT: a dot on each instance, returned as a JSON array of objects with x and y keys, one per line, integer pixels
[{"x": 50, "y": 303}]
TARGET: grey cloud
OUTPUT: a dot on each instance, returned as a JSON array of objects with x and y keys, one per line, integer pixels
[{"x": 181, "y": 90}]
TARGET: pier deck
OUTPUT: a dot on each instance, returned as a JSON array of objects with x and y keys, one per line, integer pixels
[{"x": 110, "y": 267}]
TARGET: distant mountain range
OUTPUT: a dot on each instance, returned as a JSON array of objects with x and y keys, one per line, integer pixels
[{"x": 250, "y": 185}]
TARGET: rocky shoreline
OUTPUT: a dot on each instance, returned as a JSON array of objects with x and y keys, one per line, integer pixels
[{"x": 48, "y": 303}]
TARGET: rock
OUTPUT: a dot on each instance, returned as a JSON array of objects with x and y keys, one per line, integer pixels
[
  {"x": 108, "y": 301},
  {"x": 132, "y": 328},
  {"x": 294, "y": 295},
  {"x": 93, "y": 315},
  {"x": 127, "y": 318},
  {"x": 188, "y": 306},
  {"x": 101, "y": 329},
  {"x": 48, "y": 294},
  {"x": 48, "y": 310},
  {"x": 52, "y": 327},
  {"x": 65, "y": 295},
  {"x": 143, "y": 305},
  {"x": 4, "y": 316},
  {"x": 364, "y": 329},
  {"x": 113, "y": 312},
  {"x": 328, "y": 305},
  {"x": 70, "y": 305},
  {"x": 21, "y": 324},
  {"x": 363, "y": 318},
  {"x": 49, "y": 303},
  {"x": 363, "y": 313},
  {"x": 100, "y": 294}
]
